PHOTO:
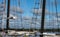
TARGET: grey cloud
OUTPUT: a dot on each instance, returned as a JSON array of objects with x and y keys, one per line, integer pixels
[
  {"x": 39, "y": 12},
  {"x": 16, "y": 9}
]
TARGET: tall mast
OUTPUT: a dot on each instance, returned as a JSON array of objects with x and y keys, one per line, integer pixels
[
  {"x": 43, "y": 17},
  {"x": 8, "y": 12}
]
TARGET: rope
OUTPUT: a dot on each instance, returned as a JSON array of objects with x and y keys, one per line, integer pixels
[
  {"x": 49, "y": 12},
  {"x": 20, "y": 15},
  {"x": 40, "y": 7},
  {"x": 53, "y": 18},
  {"x": 33, "y": 16},
  {"x": 41, "y": 3},
  {"x": 52, "y": 29},
  {"x": 36, "y": 14},
  {"x": 56, "y": 13},
  {"x": 14, "y": 13},
  {"x": 4, "y": 10},
  {"x": 2, "y": 17}
]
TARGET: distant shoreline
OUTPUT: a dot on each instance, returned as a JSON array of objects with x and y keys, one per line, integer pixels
[{"x": 45, "y": 30}]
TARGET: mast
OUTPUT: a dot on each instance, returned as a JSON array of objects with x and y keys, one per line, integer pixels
[
  {"x": 43, "y": 18},
  {"x": 8, "y": 12}
]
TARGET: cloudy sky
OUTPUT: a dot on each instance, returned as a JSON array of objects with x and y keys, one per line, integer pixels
[{"x": 26, "y": 6}]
